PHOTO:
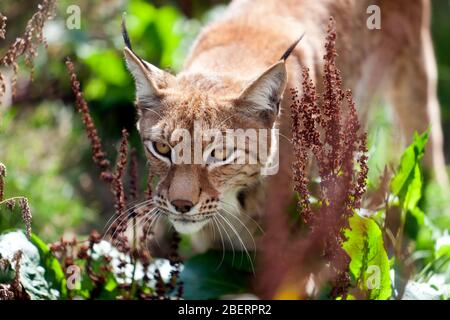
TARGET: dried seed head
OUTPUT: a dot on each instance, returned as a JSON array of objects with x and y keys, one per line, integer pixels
[
  {"x": 10, "y": 204},
  {"x": 119, "y": 227},
  {"x": 98, "y": 155},
  {"x": 83, "y": 252},
  {"x": 2, "y": 180},
  {"x": 3, "y": 20},
  {"x": 2, "y": 86},
  {"x": 119, "y": 172},
  {"x": 95, "y": 237},
  {"x": 17, "y": 258},
  {"x": 26, "y": 215},
  {"x": 27, "y": 44}
]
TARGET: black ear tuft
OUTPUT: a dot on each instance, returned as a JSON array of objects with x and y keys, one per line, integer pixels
[
  {"x": 291, "y": 48},
  {"x": 126, "y": 39},
  {"x": 125, "y": 36}
]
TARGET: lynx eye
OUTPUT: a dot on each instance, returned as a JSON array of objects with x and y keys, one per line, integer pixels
[
  {"x": 162, "y": 148},
  {"x": 220, "y": 154}
]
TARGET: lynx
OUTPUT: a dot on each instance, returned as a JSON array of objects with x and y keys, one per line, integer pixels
[{"x": 234, "y": 78}]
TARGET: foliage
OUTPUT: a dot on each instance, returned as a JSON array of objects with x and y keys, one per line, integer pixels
[
  {"x": 43, "y": 157},
  {"x": 215, "y": 274},
  {"x": 54, "y": 274},
  {"x": 369, "y": 264}
]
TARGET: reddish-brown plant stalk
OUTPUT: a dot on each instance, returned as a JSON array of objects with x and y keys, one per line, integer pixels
[
  {"x": 330, "y": 133},
  {"x": 117, "y": 184},
  {"x": 2, "y": 180},
  {"x": 99, "y": 156},
  {"x": 120, "y": 226}
]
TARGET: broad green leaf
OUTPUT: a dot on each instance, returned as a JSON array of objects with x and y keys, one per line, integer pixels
[
  {"x": 407, "y": 184},
  {"x": 413, "y": 191},
  {"x": 369, "y": 261},
  {"x": 408, "y": 164},
  {"x": 206, "y": 277},
  {"x": 54, "y": 273}
]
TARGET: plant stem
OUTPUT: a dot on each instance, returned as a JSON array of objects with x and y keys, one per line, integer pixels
[{"x": 11, "y": 199}]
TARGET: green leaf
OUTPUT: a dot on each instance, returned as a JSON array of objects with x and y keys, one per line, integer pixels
[
  {"x": 369, "y": 261},
  {"x": 413, "y": 190},
  {"x": 407, "y": 184},
  {"x": 205, "y": 277},
  {"x": 54, "y": 273},
  {"x": 409, "y": 165}
]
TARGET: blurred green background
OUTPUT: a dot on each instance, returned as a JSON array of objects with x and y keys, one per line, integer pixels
[{"x": 42, "y": 141}]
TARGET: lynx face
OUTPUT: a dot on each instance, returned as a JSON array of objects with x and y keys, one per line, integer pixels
[{"x": 180, "y": 121}]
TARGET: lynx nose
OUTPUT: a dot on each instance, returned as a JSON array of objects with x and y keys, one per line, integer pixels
[{"x": 182, "y": 206}]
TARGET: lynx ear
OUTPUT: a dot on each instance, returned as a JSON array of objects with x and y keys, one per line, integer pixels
[
  {"x": 149, "y": 79},
  {"x": 263, "y": 95}
]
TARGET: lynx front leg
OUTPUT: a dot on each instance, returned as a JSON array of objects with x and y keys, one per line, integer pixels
[{"x": 413, "y": 94}]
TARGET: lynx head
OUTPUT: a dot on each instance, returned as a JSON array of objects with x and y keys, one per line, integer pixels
[{"x": 185, "y": 122}]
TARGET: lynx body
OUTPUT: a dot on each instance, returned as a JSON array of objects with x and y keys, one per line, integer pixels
[{"x": 233, "y": 78}]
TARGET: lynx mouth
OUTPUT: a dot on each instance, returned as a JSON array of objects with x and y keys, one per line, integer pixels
[
  {"x": 188, "y": 225},
  {"x": 188, "y": 220}
]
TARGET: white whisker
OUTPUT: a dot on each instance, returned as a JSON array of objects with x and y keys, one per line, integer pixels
[
  {"x": 131, "y": 212},
  {"x": 240, "y": 240},
  {"x": 225, "y": 120},
  {"x": 237, "y": 210},
  {"x": 283, "y": 136},
  {"x": 229, "y": 238},
  {"x": 154, "y": 223},
  {"x": 213, "y": 230},
  {"x": 243, "y": 224},
  {"x": 128, "y": 221},
  {"x": 223, "y": 243},
  {"x": 147, "y": 217},
  {"x": 149, "y": 109}
]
